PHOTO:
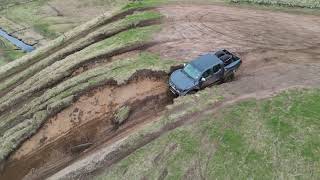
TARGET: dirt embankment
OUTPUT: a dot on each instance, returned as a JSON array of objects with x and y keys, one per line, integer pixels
[
  {"x": 59, "y": 130},
  {"x": 25, "y": 108},
  {"x": 87, "y": 123}
]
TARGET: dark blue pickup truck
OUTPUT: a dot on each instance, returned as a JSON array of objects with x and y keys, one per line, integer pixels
[{"x": 204, "y": 71}]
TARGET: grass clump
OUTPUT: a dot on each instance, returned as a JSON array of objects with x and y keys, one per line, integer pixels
[
  {"x": 121, "y": 115},
  {"x": 243, "y": 141},
  {"x": 144, "y": 4}
]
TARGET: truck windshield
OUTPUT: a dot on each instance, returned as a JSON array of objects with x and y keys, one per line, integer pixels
[{"x": 192, "y": 71}]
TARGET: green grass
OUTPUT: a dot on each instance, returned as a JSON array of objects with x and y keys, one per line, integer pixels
[
  {"x": 44, "y": 29},
  {"x": 122, "y": 114},
  {"x": 34, "y": 14},
  {"x": 290, "y": 3},
  {"x": 28, "y": 14},
  {"x": 276, "y": 138},
  {"x": 8, "y": 52},
  {"x": 145, "y": 3}
]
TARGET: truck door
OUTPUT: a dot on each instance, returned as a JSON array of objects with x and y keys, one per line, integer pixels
[
  {"x": 217, "y": 72},
  {"x": 208, "y": 77}
]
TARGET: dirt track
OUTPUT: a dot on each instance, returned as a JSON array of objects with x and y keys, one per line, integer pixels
[{"x": 279, "y": 50}]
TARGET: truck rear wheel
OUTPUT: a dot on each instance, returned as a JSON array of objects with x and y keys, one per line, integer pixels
[{"x": 229, "y": 77}]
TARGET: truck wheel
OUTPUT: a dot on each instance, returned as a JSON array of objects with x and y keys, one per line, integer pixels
[{"x": 229, "y": 78}]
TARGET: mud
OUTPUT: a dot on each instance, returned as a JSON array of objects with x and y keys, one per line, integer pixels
[
  {"x": 278, "y": 49},
  {"x": 87, "y": 124}
]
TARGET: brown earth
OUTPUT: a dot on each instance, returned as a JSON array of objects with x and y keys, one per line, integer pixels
[
  {"x": 279, "y": 50},
  {"x": 88, "y": 123}
]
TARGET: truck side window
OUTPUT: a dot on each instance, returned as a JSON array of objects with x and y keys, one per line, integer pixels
[
  {"x": 207, "y": 73},
  {"x": 216, "y": 68}
]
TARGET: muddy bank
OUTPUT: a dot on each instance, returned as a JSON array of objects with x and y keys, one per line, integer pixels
[{"x": 88, "y": 123}]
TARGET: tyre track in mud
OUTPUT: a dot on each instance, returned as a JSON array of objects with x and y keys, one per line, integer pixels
[
  {"x": 235, "y": 28},
  {"x": 278, "y": 49}
]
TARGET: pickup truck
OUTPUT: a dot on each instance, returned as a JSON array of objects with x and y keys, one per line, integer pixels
[{"x": 204, "y": 71}]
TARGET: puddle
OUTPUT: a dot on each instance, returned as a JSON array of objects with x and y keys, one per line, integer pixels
[{"x": 20, "y": 44}]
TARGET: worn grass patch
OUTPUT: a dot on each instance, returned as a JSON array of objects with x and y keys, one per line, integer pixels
[{"x": 268, "y": 139}]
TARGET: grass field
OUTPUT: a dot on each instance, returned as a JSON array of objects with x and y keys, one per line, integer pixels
[
  {"x": 47, "y": 19},
  {"x": 50, "y": 18},
  {"x": 276, "y": 138}
]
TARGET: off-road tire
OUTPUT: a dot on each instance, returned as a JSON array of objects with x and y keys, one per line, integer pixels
[{"x": 229, "y": 78}]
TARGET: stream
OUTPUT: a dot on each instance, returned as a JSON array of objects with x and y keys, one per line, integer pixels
[{"x": 20, "y": 44}]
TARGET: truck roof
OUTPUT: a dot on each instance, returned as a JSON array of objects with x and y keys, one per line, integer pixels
[{"x": 206, "y": 61}]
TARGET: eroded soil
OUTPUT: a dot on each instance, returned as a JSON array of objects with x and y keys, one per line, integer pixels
[{"x": 87, "y": 124}]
